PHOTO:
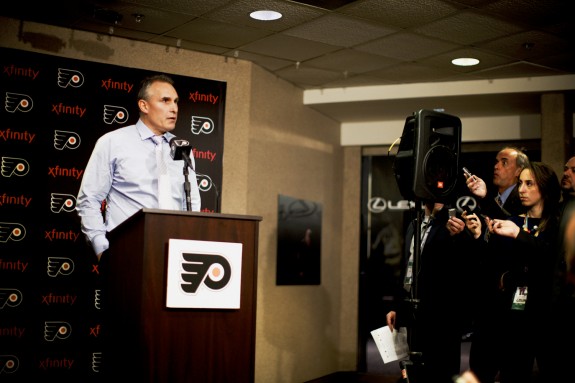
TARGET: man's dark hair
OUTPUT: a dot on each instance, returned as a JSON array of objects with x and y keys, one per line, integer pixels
[{"x": 148, "y": 81}]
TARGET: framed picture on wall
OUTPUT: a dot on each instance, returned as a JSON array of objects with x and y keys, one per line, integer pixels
[{"x": 299, "y": 242}]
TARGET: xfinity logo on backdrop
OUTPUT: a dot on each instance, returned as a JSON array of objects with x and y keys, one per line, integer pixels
[
  {"x": 18, "y": 71},
  {"x": 110, "y": 84},
  {"x": 9, "y": 134},
  {"x": 202, "y": 97}
]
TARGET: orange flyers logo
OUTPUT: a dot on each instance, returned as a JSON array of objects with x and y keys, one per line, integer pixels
[
  {"x": 115, "y": 114},
  {"x": 69, "y": 77},
  {"x": 8, "y": 364},
  {"x": 202, "y": 125},
  {"x": 60, "y": 266},
  {"x": 11, "y": 231},
  {"x": 62, "y": 202},
  {"x": 56, "y": 330},
  {"x": 66, "y": 140},
  {"x": 213, "y": 271},
  {"x": 10, "y": 298},
  {"x": 17, "y": 102},
  {"x": 14, "y": 166}
]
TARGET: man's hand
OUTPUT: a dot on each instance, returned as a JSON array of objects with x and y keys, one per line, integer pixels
[
  {"x": 455, "y": 225},
  {"x": 476, "y": 186},
  {"x": 390, "y": 319},
  {"x": 473, "y": 223},
  {"x": 504, "y": 227}
]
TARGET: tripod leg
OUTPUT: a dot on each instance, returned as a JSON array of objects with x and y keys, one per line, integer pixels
[{"x": 405, "y": 367}]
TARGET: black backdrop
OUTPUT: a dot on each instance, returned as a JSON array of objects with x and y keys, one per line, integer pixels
[{"x": 51, "y": 301}]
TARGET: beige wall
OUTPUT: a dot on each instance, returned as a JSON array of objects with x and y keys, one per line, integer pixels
[
  {"x": 294, "y": 151},
  {"x": 272, "y": 145}
]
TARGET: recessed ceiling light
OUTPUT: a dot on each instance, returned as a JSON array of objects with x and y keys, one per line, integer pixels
[
  {"x": 465, "y": 61},
  {"x": 265, "y": 15}
]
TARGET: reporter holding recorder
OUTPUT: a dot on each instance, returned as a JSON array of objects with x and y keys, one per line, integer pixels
[
  {"x": 130, "y": 168},
  {"x": 502, "y": 200}
]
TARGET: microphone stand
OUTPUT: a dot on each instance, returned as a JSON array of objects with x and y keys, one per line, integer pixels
[
  {"x": 414, "y": 364},
  {"x": 187, "y": 186}
]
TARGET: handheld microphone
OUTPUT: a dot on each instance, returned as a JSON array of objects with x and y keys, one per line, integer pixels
[{"x": 180, "y": 150}]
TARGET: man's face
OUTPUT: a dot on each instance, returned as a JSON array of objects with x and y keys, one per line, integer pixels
[
  {"x": 160, "y": 110},
  {"x": 505, "y": 172},
  {"x": 568, "y": 180}
]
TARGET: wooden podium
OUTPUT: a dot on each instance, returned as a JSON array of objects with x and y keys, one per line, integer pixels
[{"x": 148, "y": 342}]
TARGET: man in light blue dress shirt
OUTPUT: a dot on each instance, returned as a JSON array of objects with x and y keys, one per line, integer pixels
[{"x": 122, "y": 169}]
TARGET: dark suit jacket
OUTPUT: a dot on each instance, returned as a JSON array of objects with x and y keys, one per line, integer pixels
[
  {"x": 512, "y": 206},
  {"x": 437, "y": 321},
  {"x": 441, "y": 266}
]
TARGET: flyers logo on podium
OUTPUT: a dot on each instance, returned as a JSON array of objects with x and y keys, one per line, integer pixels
[{"x": 203, "y": 274}]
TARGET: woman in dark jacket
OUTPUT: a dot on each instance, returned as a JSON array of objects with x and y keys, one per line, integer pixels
[{"x": 513, "y": 283}]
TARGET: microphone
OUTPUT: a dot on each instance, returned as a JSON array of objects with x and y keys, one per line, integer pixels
[
  {"x": 180, "y": 150},
  {"x": 178, "y": 147}
]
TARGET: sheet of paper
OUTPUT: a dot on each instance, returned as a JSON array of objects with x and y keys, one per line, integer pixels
[{"x": 391, "y": 346}]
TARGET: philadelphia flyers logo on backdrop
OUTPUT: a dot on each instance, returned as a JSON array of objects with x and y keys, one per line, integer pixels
[
  {"x": 17, "y": 102},
  {"x": 59, "y": 266},
  {"x": 10, "y": 297},
  {"x": 205, "y": 183},
  {"x": 14, "y": 166},
  {"x": 115, "y": 114},
  {"x": 8, "y": 364},
  {"x": 202, "y": 125},
  {"x": 56, "y": 330},
  {"x": 62, "y": 202},
  {"x": 11, "y": 231},
  {"x": 69, "y": 77},
  {"x": 64, "y": 139}
]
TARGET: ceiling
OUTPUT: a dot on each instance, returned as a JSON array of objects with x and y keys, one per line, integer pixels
[{"x": 343, "y": 44}]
